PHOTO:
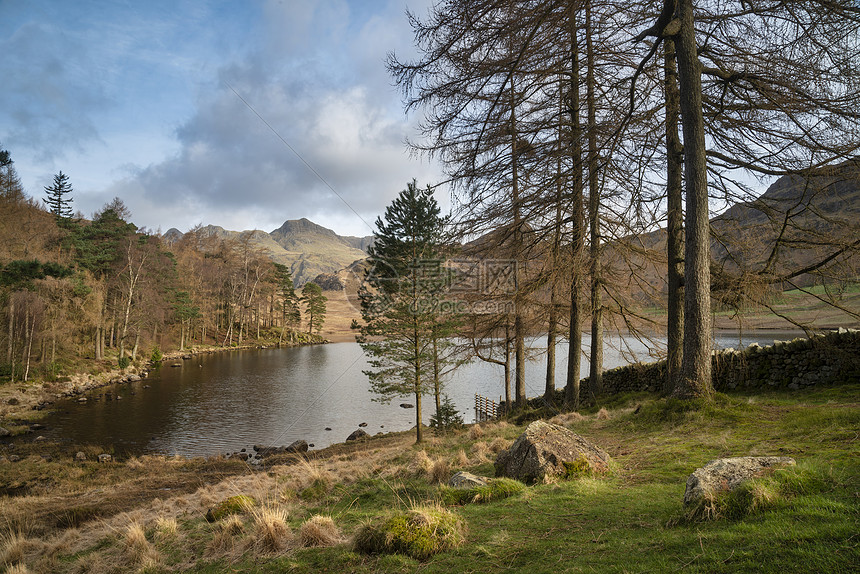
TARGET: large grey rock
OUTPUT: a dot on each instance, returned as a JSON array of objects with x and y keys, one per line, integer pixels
[
  {"x": 725, "y": 474},
  {"x": 465, "y": 479},
  {"x": 5, "y": 432},
  {"x": 546, "y": 450}
]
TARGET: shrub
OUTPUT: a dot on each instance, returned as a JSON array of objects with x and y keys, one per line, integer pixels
[
  {"x": 496, "y": 489},
  {"x": 124, "y": 362},
  {"x": 419, "y": 533}
]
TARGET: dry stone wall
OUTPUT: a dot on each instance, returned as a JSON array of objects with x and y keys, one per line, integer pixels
[{"x": 832, "y": 358}]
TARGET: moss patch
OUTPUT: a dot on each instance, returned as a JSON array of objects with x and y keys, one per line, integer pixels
[
  {"x": 419, "y": 533},
  {"x": 233, "y": 505}
]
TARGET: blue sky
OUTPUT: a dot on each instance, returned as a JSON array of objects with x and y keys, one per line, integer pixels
[{"x": 136, "y": 100}]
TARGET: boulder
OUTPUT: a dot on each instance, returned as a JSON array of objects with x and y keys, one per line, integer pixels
[
  {"x": 546, "y": 450},
  {"x": 5, "y": 432},
  {"x": 465, "y": 479},
  {"x": 407, "y": 406},
  {"x": 105, "y": 458},
  {"x": 362, "y": 425},
  {"x": 357, "y": 434},
  {"x": 725, "y": 474},
  {"x": 298, "y": 446},
  {"x": 13, "y": 402},
  {"x": 80, "y": 456}
]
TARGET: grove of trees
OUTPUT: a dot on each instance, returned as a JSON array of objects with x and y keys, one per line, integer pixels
[
  {"x": 573, "y": 131},
  {"x": 74, "y": 290}
]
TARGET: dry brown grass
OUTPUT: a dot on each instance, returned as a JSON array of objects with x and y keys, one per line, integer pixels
[
  {"x": 17, "y": 569},
  {"x": 475, "y": 432},
  {"x": 462, "y": 458},
  {"x": 565, "y": 419},
  {"x": 320, "y": 530},
  {"x": 480, "y": 451},
  {"x": 440, "y": 471},
  {"x": 140, "y": 551},
  {"x": 166, "y": 528},
  {"x": 271, "y": 534},
  {"x": 499, "y": 444},
  {"x": 420, "y": 463},
  {"x": 602, "y": 414}
]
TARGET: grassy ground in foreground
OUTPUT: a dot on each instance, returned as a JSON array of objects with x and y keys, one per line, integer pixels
[{"x": 147, "y": 514}]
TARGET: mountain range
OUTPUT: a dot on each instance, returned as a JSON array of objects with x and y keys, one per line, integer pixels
[{"x": 307, "y": 248}]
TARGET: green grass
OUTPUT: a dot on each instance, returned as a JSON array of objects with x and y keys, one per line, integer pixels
[{"x": 798, "y": 519}]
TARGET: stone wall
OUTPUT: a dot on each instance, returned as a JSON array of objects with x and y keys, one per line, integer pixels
[{"x": 828, "y": 359}]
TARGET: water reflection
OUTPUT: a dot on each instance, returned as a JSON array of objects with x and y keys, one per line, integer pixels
[{"x": 227, "y": 401}]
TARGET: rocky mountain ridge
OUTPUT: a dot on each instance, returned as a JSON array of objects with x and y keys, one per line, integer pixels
[{"x": 307, "y": 248}]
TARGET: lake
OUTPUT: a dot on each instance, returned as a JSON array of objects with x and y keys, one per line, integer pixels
[{"x": 223, "y": 402}]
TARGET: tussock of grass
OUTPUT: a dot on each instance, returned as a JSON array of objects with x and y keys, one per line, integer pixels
[
  {"x": 140, "y": 550},
  {"x": 320, "y": 530},
  {"x": 14, "y": 547},
  {"x": 496, "y": 489},
  {"x": 440, "y": 471},
  {"x": 271, "y": 534},
  {"x": 602, "y": 414},
  {"x": 17, "y": 569},
  {"x": 499, "y": 444},
  {"x": 166, "y": 528},
  {"x": 419, "y": 533},
  {"x": 476, "y": 432}
]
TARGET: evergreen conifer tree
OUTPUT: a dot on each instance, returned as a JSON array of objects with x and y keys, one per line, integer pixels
[
  {"x": 59, "y": 197},
  {"x": 400, "y": 300},
  {"x": 314, "y": 306}
]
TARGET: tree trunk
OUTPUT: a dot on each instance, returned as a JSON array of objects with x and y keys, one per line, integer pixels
[
  {"x": 519, "y": 326},
  {"x": 437, "y": 384},
  {"x": 675, "y": 223},
  {"x": 695, "y": 380},
  {"x": 574, "y": 351},
  {"x": 136, "y": 347},
  {"x": 507, "y": 364},
  {"x": 595, "y": 376}
]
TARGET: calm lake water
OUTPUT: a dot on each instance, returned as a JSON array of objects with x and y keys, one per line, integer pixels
[{"x": 227, "y": 401}]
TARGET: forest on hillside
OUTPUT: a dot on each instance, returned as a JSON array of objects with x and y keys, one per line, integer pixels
[{"x": 76, "y": 290}]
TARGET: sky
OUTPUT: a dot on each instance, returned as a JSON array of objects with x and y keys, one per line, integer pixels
[{"x": 240, "y": 113}]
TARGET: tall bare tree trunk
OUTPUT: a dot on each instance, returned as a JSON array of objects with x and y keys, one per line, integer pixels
[
  {"x": 675, "y": 223},
  {"x": 574, "y": 353},
  {"x": 695, "y": 380},
  {"x": 595, "y": 376},
  {"x": 519, "y": 324}
]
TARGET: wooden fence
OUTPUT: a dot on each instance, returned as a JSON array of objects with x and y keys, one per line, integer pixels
[{"x": 485, "y": 409}]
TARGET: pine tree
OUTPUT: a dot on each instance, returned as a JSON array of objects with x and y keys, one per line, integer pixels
[
  {"x": 400, "y": 301},
  {"x": 59, "y": 197},
  {"x": 315, "y": 306}
]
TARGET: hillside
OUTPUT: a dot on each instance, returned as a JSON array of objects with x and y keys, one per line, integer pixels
[{"x": 306, "y": 248}]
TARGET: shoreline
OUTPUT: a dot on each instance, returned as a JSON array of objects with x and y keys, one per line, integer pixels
[{"x": 24, "y": 403}]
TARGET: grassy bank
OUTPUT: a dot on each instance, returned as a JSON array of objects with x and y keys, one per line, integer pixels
[{"x": 148, "y": 514}]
